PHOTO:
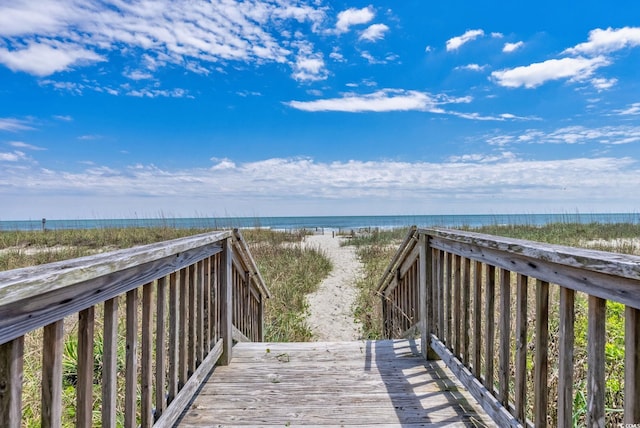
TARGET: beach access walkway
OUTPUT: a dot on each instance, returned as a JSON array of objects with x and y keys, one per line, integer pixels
[{"x": 469, "y": 323}]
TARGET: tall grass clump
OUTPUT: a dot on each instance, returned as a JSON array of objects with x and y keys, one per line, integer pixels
[
  {"x": 375, "y": 251},
  {"x": 291, "y": 271}
]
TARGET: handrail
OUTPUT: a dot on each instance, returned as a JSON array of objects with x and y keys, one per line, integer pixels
[
  {"x": 196, "y": 293},
  {"x": 466, "y": 292}
]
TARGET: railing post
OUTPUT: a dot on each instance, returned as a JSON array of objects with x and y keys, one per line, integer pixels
[
  {"x": 226, "y": 300},
  {"x": 632, "y": 366},
  {"x": 11, "y": 363},
  {"x": 426, "y": 300}
]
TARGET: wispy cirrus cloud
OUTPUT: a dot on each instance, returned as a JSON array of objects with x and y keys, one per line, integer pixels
[
  {"x": 26, "y": 146},
  {"x": 14, "y": 125},
  {"x": 605, "y": 135},
  {"x": 471, "y": 67},
  {"x": 455, "y": 43},
  {"x": 631, "y": 110}
]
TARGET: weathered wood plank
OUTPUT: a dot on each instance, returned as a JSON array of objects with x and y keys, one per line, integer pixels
[
  {"x": 541, "y": 359},
  {"x": 384, "y": 383},
  {"x": 632, "y": 366},
  {"x": 226, "y": 302},
  {"x": 161, "y": 347},
  {"x": 11, "y": 371},
  {"x": 183, "y": 321},
  {"x": 146, "y": 358},
  {"x": 466, "y": 307},
  {"x": 84, "y": 388},
  {"x": 489, "y": 316},
  {"x": 60, "y": 289},
  {"x": 565, "y": 357},
  {"x": 131, "y": 360},
  {"x": 174, "y": 329},
  {"x": 609, "y": 276},
  {"x": 477, "y": 319},
  {"x": 52, "y": 344},
  {"x": 595, "y": 362},
  {"x": 457, "y": 302},
  {"x": 505, "y": 337},
  {"x": 520, "y": 396},
  {"x": 110, "y": 363}
]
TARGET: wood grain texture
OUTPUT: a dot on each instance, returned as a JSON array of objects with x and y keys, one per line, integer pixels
[
  {"x": 541, "y": 358},
  {"x": 84, "y": 388},
  {"x": 110, "y": 363},
  {"x": 520, "y": 393},
  {"x": 566, "y": 342},
  {"x": 632, "y": 366},
  {"x": 53, "y": 339},
  {"x": 372, "y": 383},
  {"x": 596, "y": 385},
  {"x": 11, "y": 372},
  {"x": 131, "y": 360}
]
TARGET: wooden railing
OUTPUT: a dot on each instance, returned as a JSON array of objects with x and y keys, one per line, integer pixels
[
  {"x": 198, "y": 294},
  {"x": 467, "y": 296}
]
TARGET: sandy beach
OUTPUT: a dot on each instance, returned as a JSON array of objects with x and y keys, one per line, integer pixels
[{"x": 331, "y": 307}]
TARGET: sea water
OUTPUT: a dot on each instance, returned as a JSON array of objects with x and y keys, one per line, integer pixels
[{"x": 327, "y": 222}]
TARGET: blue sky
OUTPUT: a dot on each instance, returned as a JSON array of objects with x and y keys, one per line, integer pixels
[{"x": 118, "y": 108}]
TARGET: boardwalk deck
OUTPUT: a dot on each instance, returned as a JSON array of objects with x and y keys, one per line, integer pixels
[{"x": 353, "y": 384}]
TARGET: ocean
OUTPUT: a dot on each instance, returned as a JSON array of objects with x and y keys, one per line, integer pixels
[{"x": 327, "y": 222}]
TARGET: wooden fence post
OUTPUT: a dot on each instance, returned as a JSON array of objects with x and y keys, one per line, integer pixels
[
  {"x": 11, "y": 364},
  {"x": 426, "y": 297},
  {"x": 226, "y": 300}
]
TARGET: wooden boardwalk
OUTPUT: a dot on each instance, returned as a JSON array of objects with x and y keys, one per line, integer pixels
[{"x": 352, "y": 384}]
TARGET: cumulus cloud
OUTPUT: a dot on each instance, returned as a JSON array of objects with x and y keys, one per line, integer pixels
[
  {"x": 533, "y": 75},
  {"x": 374, "y": 32},
  {"x": 511, "y": 47},
  {"x": 607, "y": 41},
  {"x": 43, "y": 59},
  {"x": 350, "y": 17},
  {"x": 309, "y": 65},
  {"x": 456, "y": 42}
]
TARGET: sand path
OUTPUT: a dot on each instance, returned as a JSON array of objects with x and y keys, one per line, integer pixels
[{"x": 331, "y": 307}]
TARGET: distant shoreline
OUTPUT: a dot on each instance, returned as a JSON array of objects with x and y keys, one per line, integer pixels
[{"x": 327, "y": 222}]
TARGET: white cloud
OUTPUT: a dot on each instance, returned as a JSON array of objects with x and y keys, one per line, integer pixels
[
  {"x": 26, "y": 146},
  {"x": 285, "y": 186},
  {"x": 380, "y": 101},
  {"x": 511, "y": 47},
  {"x": 607, "y": 41},
  {"x": 14, "y": 125},
  {"x": 602, "y": 84},
  {"x": 14, "y": 156},
  {"x": 43, "y": 59},
  {"x": 497, "y": 35},
  {"x": 533, "y": 75},
  {"x": 428, "y": 49},
  {"x": 607, "y": 135},
  {"x": 633, "y": 109},
  {"x": 471, "y": 67},
  {"x": 455, "y": 42},
  {"x": 194, "y": 35},
  {"x": 350, "y": 17},
  {"x": 138, "y": 75},
  {"x": 309, "y": 65},
  {"x": 374, "y": 32},
  {"x": 64, "y": 118}
]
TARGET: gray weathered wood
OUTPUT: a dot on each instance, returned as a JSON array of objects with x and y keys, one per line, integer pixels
[
  {"x": 595, "y": 362},
  {"x": 632, "y": 366},
  {"x": 541, "y": 359},
  {"x": 174, "y": 329},
  {"x": 520, "y": 397},
  {"x": 354, "y": 384},
  {"x": 11, "y": 371},
  {"x": 161, "y": 347},
  {"x": 505, "y": 337},
  {"x": 131, "y": 360},
  {"x": 146, "y": 358},
  {"x": 183, "y": 321},
  {"x": 489, "y": 316},
  {"x": 606, "y": 275},
  {"x": 457, "y": 302},
  {"x": 177, "y": 406},
  {"x": 109, "y": 363},
  {"x": 226, "y": 298},
  {"x": 52, "y": 344},
  {"x": 466, "y": 307},
  {"x": 565, "y": 357},
  {"x": 425, "y": 269},
  {"x": 84, "y": 388},
  {"x": 477, "y": 319},
  {"x": 192, "y": 320},
  {"x": 36, "y": 296}
]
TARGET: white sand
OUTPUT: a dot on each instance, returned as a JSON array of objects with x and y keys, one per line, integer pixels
[{"x": 331, "y": 307}]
